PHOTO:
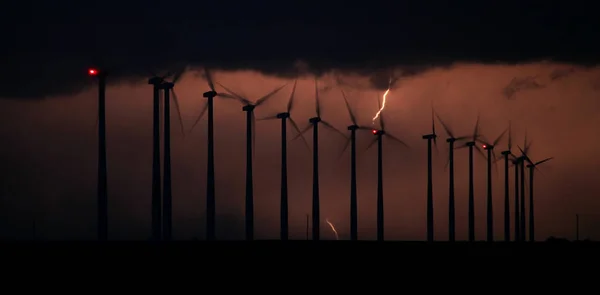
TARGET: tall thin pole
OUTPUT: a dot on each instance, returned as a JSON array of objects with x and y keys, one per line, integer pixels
[
  {"x": 531, "y": 211},
  {"x": 506, "y": 201},
  {"x": 522, "y": 230},
  {"x": 210, "y": 185},
  {"x": 353, "y": 194},
  {"x": 471, "y": 198},
  {"x": 249, "y": 181},
  {"x": 284, "y": 188},
  {"x": 380, "y": 219},
  {"x": 315, "y": 201},
  {"x": 451, "y": 206},
  {"x": 102, "y": 169},
  {"x": 167, "y": 192},
  {"x": 156, "y": 185},
  {"x": 517, "y": 211},
  {"x": 429, "y": 194},
  {"x": 490, "y": 210}
]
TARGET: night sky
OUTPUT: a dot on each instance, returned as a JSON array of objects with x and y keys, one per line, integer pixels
[{"x": 533, "y": 65}]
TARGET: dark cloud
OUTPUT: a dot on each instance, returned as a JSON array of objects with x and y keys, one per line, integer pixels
[{"x": 51, "y": 47}]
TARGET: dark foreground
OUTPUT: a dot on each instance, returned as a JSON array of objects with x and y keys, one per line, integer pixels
[{"x": 266, "y": 249}]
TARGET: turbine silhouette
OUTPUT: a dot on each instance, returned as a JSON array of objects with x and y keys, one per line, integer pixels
[
  {"x": 167, "y": 209},
  {"x": 430, "y": 137},
  {"x": 102, "y": 189},
  {"x": 489, "y": 146},
  {"x": 250, "y": 136},
  {"x": 472, "y": 145},
  {"x": 451, "y": 207},
  {"x": 532, "y": 167},
  {"x": 156, "y": 82},
  {"x": 353, "y": 193},
  {"x": 210, "y": 175},
  {"x": 379, "y": 134},
  {"x": 284, "y": 210},
  {"x": 314, "y": 124},
  {"x": 506, "y": 155}
]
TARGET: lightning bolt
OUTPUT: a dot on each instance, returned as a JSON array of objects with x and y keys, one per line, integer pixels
[
  {"x": 384, "y": 99},
  {"x": 333, "y": 229}
]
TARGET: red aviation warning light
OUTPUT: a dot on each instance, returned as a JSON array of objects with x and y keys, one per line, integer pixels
[
  {"x": 484, "y": 146},
  {"x": 92, "y": 72},
  {"x": 374, "y": 131}
]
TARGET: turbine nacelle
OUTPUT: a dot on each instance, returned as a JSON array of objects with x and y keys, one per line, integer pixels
[
  {"x": 451, "y": 139},
  {"x": 248, "y": 108},
  {"x": 470, "y": 143},
  {"x": 353, "y": 127},
  {"x": 210, "y": 94},
  {"x": 314, "y": 120},
  {"x": 155, "y": 81},
  {"x": 530, "y": 166},
  {"x": 487, "y": 146},
  {"x": 378, "y": 132},
  {"x": 283, "y": 115},
  {"x": 429, "y": 136},
  {"x": 167, "y": 85},
  {"x": 505, "y": 153}
]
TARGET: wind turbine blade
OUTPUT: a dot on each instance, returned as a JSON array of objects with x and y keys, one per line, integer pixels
[
  {"x": 446, "y": 128},
  {"x": 235, "y": 95},
  {"x": 461, "y": 147},
  {"x": 372, "y": 143},
  {"x": 177, "y": 76},
  {"x": 290, "y": 104},
  {"x": 461, "y": 138},
  {"x": 202, "y": 111},
  {"x": 396, "y": 139},
  {"x": 269, "y": 95},
  {"x": 437, "y": 150},
  {"x": 178, "y": 109},
  {"x": 480, "y": 152},
  {"x": 268, "y": 118},
  {"x": 301, "y": 133},
  {"x": 447, "y": 162},
  {"x": 328, "y": 125},
  {"x": 476, "y": 130},
  {"x": 295, "y": 126},
  {"x": 318, "y": 105},
  {"x": 499, "y": 137},
  {"x": 209, "y": 79},
  {"x": 509, "y": 135},
  {"x": 346, "y": 145},
  {"x": 525, "y": 155},
  {"x": 352, "y": 117},
  {"x": 494, "y": 162},
  {"x": 543, "y": 161},
  {"x": 525, "y": 144}
]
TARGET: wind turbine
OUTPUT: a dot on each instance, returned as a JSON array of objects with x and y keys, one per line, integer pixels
[
  {"x": 314, "y": 123},
  {"x": 489, "y": 146},
  {"x": 472, "y": 145},
  {"x": 430, "y": 137},
  {"x": 102, "y": 190},
  {"x": 506, "y": 154},
  {"x": 156, "y": 186},
  {"x": 532, "y": 166},
  {"x": 167, "y": 209},
  {"x": 451, "y": 208},
  {"x": 284, "y": 210},
  {"x": 353, "y": 194},
  {"x": 521, "y": 163},
  {"x": 210, "y": 175},
  {"x": 379, "y": 134},
  {"x": 250, "y": 133}
]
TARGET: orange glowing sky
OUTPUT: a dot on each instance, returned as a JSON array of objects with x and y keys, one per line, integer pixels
[{"x": 49, "y": 154}]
